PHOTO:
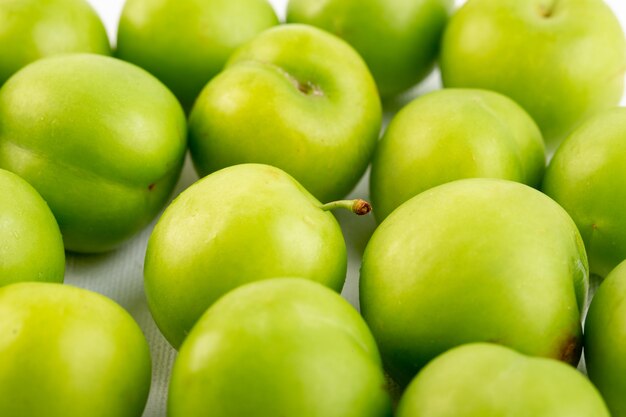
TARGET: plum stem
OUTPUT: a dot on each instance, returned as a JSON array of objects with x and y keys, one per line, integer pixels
[{"x": 358, "y": 206}]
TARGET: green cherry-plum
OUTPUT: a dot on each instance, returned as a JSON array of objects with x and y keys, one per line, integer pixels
[
  {"x": 605, "y": 340},
  {"x": 562, "y": 60},
  {"x": 474, "y": 260},
  {"x": 399, "y": 39},
  {"x": 284, "y": 347},
  {"x": 31, "y": 247},
  {"x": 101, "y": 140},
  {"x": 297, "y": 98},
  {"x": 69, "y": 352},
  {"x": 243, "y": 223},
  {"x": 480, "y": 380},
  {"x": 585, "y": 177},
  {"x": 34, "y": 29},
  {"x": 453, "y": 134},
  {"x": 185, "y": 43}
]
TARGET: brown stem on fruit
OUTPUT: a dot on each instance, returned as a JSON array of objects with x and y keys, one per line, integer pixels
[
  {"x": 358, "y": 206},
  {"x": 547, "y": 10}
]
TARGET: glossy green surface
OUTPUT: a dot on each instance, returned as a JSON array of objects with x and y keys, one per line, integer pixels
[
  {"x": 68, "y": 352},
  {"x": 34, "y": 29},
  {"x": 100, "y": 139},
  {"x": 605, "y": 340},
  {"x": 585, "y": 178},
  {"x": 241, "y": 224},
  {"x": 399, "y": 39},
  {"x": 475, "y": 260},
  {"x": 282, "y": 347},
  {"x": 562, "y": 60},
  {"x": 31, "y": 247},
  {"x": 484, "y": 380},
  {"x": 297, "y": 98},
  {"x": 185, "y": 43},
  {"x": 453, "y": 134}
]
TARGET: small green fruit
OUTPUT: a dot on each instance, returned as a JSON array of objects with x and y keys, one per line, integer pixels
[
  {"x": 484, "y": 380},
  {"x": 475, "y": 260},
  {"x": 31, "y": 247},
  {"x": 453, "y": 134},
  {"x": 282, "y": 347}
]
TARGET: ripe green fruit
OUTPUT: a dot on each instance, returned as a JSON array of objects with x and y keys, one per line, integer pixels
[
  {"x": 296, "y": 98},
  {"x": 453, "y": 134},
  {"x": 585, "y": 178},
  {"x": 185, "y": 43},
  {"x": 480, "y": 380},
  {"x": 241, "y": 224},
  {"x": 398, "y": 39},
  {"x": 34, "y": 29},
  {"x": 475, "y": 260},
  {"x": 31, "y": 247},
  {"x": 68, "y": 352},
  {"x": 101, "y": 140},
  {"x": 563, "y": 61},
  {"x": 605, "y": 340},
  {"x": 281, "y": 347}
]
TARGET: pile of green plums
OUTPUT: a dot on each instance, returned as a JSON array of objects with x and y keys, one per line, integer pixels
[{"x": 498, "y": 201}]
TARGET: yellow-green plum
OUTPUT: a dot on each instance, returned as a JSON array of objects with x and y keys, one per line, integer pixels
[
  {"x": 585, "y": 177},
  {"x": 453, "y": 134},
  {"x": 101, "y": 140},
  {"x": 69, "y": 352},
  {"x": 283, "y": 347},
  {"x": 243, "y": 223},
  {"x": 474, "y": 260},
  {"x": 185, "y": 43},
  {"x": 562, "y": 60},
  {"x": 34, "y": 29},
  {"x": 295, "y": 97},
  {"x": 399, "y": 39},
  {"x": 605, "y": 340},
  {"x": 31, "y": 247},
  {"x": 486, "y": 380}
]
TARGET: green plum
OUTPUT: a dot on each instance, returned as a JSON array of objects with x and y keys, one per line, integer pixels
[
  {"x": 34, "y": 29},
  {"x": 101, "y": 140},
  {"x": 453, "y": 134},
  {"x": 585, "y": 178},
  {"x": 474, "y": 260},
  {"x": 297, "y": 98},
  {"x": 31, "y": 246},
  {"x": 486, "y": 380},
  {"x": 185, "y": 43},
  {"x": 283, "y": 347},
  {"x": 69, "y": 352},
  {"x": 243, "y": 223},
  {"x": 399, "y": 39},
  {"x": 562, "y": 60},
  {"x": 605, "y": 340}
]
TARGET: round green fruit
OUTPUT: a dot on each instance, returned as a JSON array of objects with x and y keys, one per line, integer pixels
[
  {"x": 605, "y": 340},
  {"x": 101, "y": 140},
  {"x": 399, "y": 39},
  {"x": 297, "y": 98},
  {"x": 474, "y": 260},
  {"x": 281, "y": 347},
  {"x": 31, "y": 247},
  {"x": 480, "y": 380},
  {"x": 244, "y": 223},
  {"x": 185, "y": 43},
  {"x": 585, "y": 177},
  {"x": 563, "y": 61},
  {"x": 68, "y": 352},
  {"x": 453, "y": 134},
  {"x": 34, "y": 29}
]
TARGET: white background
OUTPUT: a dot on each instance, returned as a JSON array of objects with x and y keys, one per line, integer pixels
[{"x": 119, "y": 274}]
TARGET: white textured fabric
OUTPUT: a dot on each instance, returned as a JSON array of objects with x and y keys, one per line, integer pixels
[{"x": 119, "y": 275}]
